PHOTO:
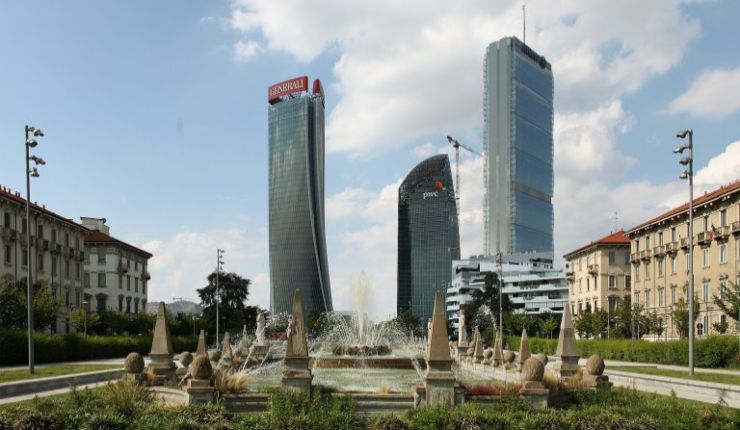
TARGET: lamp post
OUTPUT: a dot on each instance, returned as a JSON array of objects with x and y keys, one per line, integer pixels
[
  {"x": 219, "y": 264},
  {"x": 30, "y": 142},
  {"x": 688, "y": 173},
  {"x": 500, "y": 295}
]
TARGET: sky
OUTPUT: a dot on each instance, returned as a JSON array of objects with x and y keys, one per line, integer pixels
[{"x": 155, "y": 116}]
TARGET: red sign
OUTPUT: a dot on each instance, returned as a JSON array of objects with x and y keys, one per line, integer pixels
[{"x": 291, "y": 86}]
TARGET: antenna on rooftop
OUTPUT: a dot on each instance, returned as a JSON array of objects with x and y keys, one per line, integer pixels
[{"x": 524, "y": 24}]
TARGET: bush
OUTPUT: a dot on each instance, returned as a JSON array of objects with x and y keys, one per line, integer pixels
[
  {"x": 50, "y": 348},
  {"x": 711, "y": 352}
]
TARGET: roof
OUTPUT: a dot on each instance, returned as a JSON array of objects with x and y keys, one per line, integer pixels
[
  {"x": 16, "y": 197},
  {"x": 94, "y": 236},
  {"x": 618, "y": 238},
  {"x": 706, "y": 198},
  {"x": 432, "y": 166}
]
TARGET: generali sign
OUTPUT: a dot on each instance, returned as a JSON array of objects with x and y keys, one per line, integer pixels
[{"x": 291, "y": 86}]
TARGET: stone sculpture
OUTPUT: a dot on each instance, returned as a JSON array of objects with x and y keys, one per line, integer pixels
[
  {"x": 523, "y": 350},
  {"x": 133, "y": 368},
  {"x": 567, "y": 350},
  {"x": 439, "y": 381},
  {"x": 199, "y": 387},
  {"x": 161, "y": 366},
  {"x": 296, "y": 373},
  {"x": 594, "y": 377}
]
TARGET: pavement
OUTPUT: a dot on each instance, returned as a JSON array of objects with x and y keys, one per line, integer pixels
[
  {"x": 48, "y": 393},
  {"x": 107, "y": 361}
]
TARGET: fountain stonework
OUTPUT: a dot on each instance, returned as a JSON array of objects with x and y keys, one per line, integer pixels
[
  {"x": 439, "y": 381},
  {"x": 462, "y": 337},
  {"x": 258, "y": 350},
  {"x": 161, "y": 366},
  {"x": 296, "y": 371},
  {"x": 567, "y": 350}
]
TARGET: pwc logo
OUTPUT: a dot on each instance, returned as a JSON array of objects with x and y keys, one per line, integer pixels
[{"x": 428, "y": 194}]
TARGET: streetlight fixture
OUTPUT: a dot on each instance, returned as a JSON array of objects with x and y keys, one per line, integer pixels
[
  {"x": 29, "y": 143},
  {"x": 688, "y": 173},
  {"x": 219, "y": 267}
]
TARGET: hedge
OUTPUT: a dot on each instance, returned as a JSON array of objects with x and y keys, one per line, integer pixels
[
  {"x": 710, "y": 352},
  {"x": 53, "y": 348}
]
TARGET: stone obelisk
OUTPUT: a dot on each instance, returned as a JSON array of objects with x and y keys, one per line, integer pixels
[
  {"x": 567, "y": 350},
  {"x": 296, "y": 372},
  {"x": 524, "y": 353},
  {"x": 439, "y": 381},
  {"x": 161, "y": 365},
  {"x": 201, "y": 348}
]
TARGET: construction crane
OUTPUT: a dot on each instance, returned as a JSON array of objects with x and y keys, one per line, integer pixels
[{"x": 457, "y": 145}]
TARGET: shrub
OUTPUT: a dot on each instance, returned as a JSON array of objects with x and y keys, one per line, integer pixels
[
  {"x": 388, "y": 422},
  {"x": 105, "y": 421},
  {"x": 52, "y": 348}
]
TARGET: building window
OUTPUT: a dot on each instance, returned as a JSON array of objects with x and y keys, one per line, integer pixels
[
  {"x": 626, "y": 258},
  {"x": 723, "y": 217},
  {"x": 588, "y": 284},
  {"x": 612, "y": 257},
  {"x": 700, "y": 329},
  {"x": 6, "y": 220},
  {"x": 705, "y": 290},
  {"x": 25, "y": 257},
  {"x": 40, "y": 231},
  {"x": 128, "y": 283},
  {"x": 661, "y": 264},
  {"x": 627, "y": 282},
  {"x": 637, "y": 245},
  {"x": 612, "y": 282},
  {"x": 24, "y": 225},
  {"x": 101, "y": 256},
  {"x": 53, "y": 266},
  {"x": 77, "y": 271},
  {"x": 136, "y": 285},
  {"x": 647, "y": 271},
  {"x": 101, "y": 280},
  {"x": 87, "y": 280},
  {"x": 647, "y": 242},
  {"x": 143, "y": 287},
  {"x": 8, "y": 255},
  {"x": 637, "y": 273},
  {"x": 705, "y": 223},
  {"x": 66, "y": 269},
  {"x": 77, "y": 243},
  {"x": 660, "y": 238},
  {"x": 637, "y": 298},
  {"x": 53, "y": 236},
  {"x": 705, "y": 257},
  {"x": 673, "y": 234},
  {"x": 722, "y": 253},
  {"x": 661, "y": 297},
  {"x": 40, "y": 263},
  {"x": 722, "y": 288},
  {"x": 66, "y": 240},
  {"x": 120, "y": 303},
  {"x": 647, "y": 299},
  {"x": 673, "y": 265},
  {"x": 673, "y": 295}
]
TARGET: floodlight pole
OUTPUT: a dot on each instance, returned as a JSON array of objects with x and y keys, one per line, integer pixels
[
  {"x": 691, "y": 252},
  {"x": 29, "y": 286}
]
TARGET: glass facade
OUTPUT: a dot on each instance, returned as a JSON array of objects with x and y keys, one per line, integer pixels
[
  {"x": 298, "y": 257},
  {"x": 518, "y": 118},
  {"x": 428, "y": 235}
]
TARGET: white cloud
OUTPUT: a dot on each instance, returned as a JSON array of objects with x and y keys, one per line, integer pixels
[
  {"x": 414, "y": 68},
  {"x": 714, "y": 94},
  {"x": 424, "y": 150},
  {"x": 245, "y": 50},
  {"x": 181, "y": 263}
]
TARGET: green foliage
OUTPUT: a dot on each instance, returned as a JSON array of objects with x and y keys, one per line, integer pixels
[
  {"x": 233, "y": 291},
  {"x": 548, "y": 325},
  {"x": 51, "y": 348},
  {"x": 680, "y": 316},
  {"x": 729, "y": 300},
  {"x": 710, "y": 352},
  {"x": 83, "y": 321},
  {"x": 721, "y": 327},
  {"x": 13, "y": 304},
  {"x": 408, "y": 322},
  {"x": 487, "y": 297}
]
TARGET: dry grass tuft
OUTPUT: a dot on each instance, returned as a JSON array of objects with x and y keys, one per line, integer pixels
[
  {"x": 384, "y": 388},
  {"x": 227, "y": 382}
]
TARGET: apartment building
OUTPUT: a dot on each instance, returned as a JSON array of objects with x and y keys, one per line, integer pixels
[
  {"x": 660, "y": 255},
  {"x": 57, "y": 252},
  {"x": 598, "y": 273},
  {"x": 116, "y": 273}
]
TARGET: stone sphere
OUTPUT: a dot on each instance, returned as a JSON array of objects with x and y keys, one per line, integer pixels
[
  {"x": 542, "y": 357},
  {"x": 134, "y": 363},
  {"x": 508, "y": 356},
  {"x": 532, "y": 371},
  {"x": 214, "y": 355},
  {"x": 186, "y": 358},
  {"x": 201, "y": 368},
  {"x": 488, "y": 353},
  {"x": 595, "y": 365}
]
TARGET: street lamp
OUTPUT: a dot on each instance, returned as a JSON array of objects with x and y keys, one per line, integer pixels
[
  {"x": 219, "y": 267},
  {"x": 30, "y": 142},
  {"x": 688, "y": 173}
]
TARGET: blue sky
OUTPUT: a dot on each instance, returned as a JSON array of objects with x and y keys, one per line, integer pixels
[{"x": 155, "y": 116}]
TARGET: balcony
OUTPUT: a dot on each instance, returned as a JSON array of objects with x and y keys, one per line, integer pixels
[
  {"x": 123, "y": 267},
  {"x": 82, "y": 255},
  {"x": 671, "y": 248},
  {"x": 735, "y": 227},
  {"x": 646, "y": 255},
  {"x": 24, "y": 240},
  {"x": 56, "y": 248},
  {"x": 593, "y": 269},
  {"x": 685, "y": 243},
  {"x": 45, "y": 245},
  {"x": 8, "y": 234},
  {"x": 659, "y": 251},
  {"x": 635, "y": 257},
  {"x": 704, "y": 238},
  {"x": 722, "y": 233},
  {"x": 147, "y": 275}
]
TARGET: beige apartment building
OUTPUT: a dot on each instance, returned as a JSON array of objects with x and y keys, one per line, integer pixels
[
  {"x": 599, "y": 273},
  {"x": 660, "y": 253},
  {"x": 116, "y": 273},
  {"x": 57, "y": 252}
]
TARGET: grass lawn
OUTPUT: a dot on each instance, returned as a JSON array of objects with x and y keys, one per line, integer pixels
[
  {"x": 62, "y": 369},
  {"x": 698, "y": 376}
]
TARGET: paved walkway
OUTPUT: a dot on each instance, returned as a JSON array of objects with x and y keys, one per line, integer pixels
[
  {"x": 48, "y": 393},
  {"x": 615, "y": 363},
  {"x": 106, "y": 361}
]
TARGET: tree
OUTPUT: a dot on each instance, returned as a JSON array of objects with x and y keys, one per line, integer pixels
[
  {"x": 583, "y": 323},
  {"x": 548, "y": 325},
  {"x": 729, "y": 300},
  {"x": 721, "y": 327},
  {"x": 13, "y": 308},
  {"x": 83, "y": 321},
  {"x": 232, "y": 308},
  {"x": 12, "y": 303},
  {"x": 483, "y": 309},
  {"x": 680, "y": 316},
  {"x": 599, "y": 322},
  {"x": 408, "y": 322}
]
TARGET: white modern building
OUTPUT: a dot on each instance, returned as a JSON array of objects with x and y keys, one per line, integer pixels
[
  {"x": 116, "y": 273},
  {"x": 530, "y": 281}
]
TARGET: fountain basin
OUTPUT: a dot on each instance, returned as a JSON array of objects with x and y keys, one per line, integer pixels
[{"x": 365, "y": 362}]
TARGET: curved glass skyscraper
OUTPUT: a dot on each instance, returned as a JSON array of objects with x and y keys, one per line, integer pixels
[
  {"x": 518, "y": 120},
  {"x": 428, "y": 235},
  {"x": 297, "y": 239}
]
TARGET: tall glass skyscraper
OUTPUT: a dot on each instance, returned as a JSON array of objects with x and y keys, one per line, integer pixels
[
  {"x": 518, "y": 121},
  {"x": 428, "y": 235},
  {"x": 297, "y": 239}
]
